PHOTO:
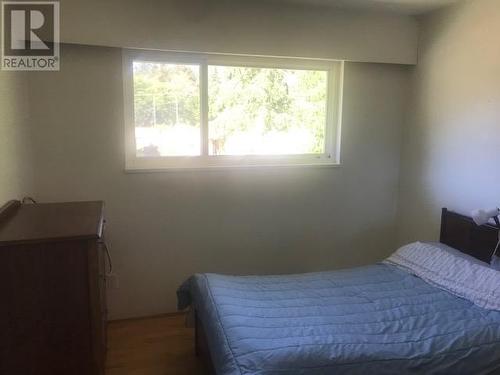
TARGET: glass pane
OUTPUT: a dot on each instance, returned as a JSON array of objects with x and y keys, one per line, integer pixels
[
  {"x": 167, "y": 109},
  {"x": 260, "y": 111}
]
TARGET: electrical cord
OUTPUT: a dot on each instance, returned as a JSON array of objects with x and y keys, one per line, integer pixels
[
  {"x": 108, "y": 255},
  {"x": 28, "y": 200},
  {"x": 106, "y": 249},
  {"x": 498, "y": 244}
]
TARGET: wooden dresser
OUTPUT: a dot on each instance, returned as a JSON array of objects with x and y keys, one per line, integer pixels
[{"x": 52, "y": 289}]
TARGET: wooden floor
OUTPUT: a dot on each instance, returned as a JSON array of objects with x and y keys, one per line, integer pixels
[{"x": 152, "y": 346}]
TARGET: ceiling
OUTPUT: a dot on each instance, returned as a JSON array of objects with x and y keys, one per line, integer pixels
[{"x": 408, "y": 7}]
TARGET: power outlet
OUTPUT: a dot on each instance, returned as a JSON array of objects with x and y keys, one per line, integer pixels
[{"x": 112, "y": 281}]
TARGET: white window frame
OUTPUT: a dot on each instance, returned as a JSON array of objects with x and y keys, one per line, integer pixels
[{"x": 335, "y": 70}]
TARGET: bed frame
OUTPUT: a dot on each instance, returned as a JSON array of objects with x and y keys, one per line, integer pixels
[
  {"x": 461, "y": 233},
  {"x": 201, "y": 347},
  {"x": 458, "y": 231}
]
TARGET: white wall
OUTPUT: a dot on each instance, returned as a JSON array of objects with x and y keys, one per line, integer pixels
[
  {"x": 15, "y": 143},
  {"x": 452, "y": 145},
  {"x": 241, "y": 26},
  {"x": 164, "y": 227}
]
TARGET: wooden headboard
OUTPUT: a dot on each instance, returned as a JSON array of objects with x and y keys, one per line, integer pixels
[{"x": 461, "y": 233}]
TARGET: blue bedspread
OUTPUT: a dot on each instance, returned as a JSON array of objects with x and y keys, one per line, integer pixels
[{"x": 369, "y": 320}]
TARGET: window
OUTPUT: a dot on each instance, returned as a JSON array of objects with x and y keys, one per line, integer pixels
[{"x": 199, "y": 110}]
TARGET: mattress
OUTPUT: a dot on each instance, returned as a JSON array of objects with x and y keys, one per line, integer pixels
[{"x": 377, "y": 319}]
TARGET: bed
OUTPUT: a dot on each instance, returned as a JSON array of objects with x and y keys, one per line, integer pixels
[{"x": 388, "y": 318}]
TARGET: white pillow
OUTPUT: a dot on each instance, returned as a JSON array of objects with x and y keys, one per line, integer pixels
[
  {"x": 475, "y": 281},
  {"x": 495, "y": 260},
  {"x": 458, "y": 253}
]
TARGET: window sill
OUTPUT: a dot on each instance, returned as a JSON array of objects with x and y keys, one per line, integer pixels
[{"x": 210, "y": 168}]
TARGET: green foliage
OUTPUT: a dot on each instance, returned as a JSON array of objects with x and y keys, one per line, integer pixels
[
  {"x": 240, "y": 99},
  {"x": 244, "y": 98},
  {"x": 166, "y": 94}
]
